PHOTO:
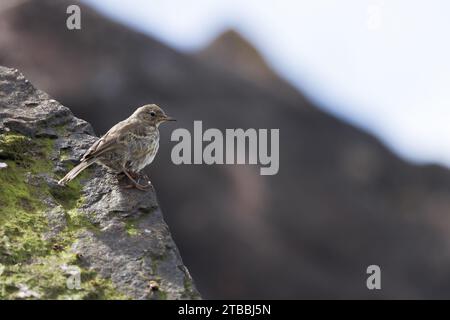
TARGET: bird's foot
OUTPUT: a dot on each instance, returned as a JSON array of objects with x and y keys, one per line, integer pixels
[
  {"x": 138, "y": 186},
  {"x": 132, "y": 176},
  {"x": 145, "y": 178},
  {"x": 120, "y": 176},
  {"x": 147, "y": 183}
]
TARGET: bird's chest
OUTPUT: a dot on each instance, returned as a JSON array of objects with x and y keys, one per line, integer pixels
[
  {"x": 143, "y": 149},
  {"x": 142, "y": 145}
]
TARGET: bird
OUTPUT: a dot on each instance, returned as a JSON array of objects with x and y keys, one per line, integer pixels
[{"x": 127, "y": 148}]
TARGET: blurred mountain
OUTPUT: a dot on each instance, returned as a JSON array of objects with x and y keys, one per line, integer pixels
[
  {"x": 234, "y": 54},
  {"x": 340, "y": 202}
]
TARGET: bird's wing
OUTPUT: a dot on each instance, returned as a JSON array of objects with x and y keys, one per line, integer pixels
[{"x": 109, "y": 141}]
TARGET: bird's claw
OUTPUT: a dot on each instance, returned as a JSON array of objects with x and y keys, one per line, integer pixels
[
  {"x": 138, "y": 186},
  {"x": 135, "y": 184}
]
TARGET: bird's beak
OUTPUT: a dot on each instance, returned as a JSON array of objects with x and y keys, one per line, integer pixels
[{"x": 167, "y": 118}]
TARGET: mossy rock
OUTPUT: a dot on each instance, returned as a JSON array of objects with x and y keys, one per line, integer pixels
[
  {"x": 90, "y": 239},
  {"x": 32, "y": 266}
]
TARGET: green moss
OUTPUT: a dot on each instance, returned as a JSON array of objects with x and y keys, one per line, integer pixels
[
  {"x": 160, "y": 294},
  {"x": 21, "y": 219},
  {"x": 154, "y": 264},
  {"x": 132, "y": 224},
  {"x": 76, "y": 221},
  {"x": 60, "y": 130},
  {"x": 131, "y": 228},
  {"x": 64, "y": 155},
  {"x": 26, "y": 257},
  {"x": 99, "y": 288},
  {"x": 189, "y": 290},
  {"x": 69, "y": 195},
  {"x": 48, "y": 278}
]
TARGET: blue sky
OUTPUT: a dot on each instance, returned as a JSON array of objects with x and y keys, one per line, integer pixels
[{"x": 383, "y": 65}]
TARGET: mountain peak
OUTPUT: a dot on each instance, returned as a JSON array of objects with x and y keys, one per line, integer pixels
[{"x": 233, "y": 52}]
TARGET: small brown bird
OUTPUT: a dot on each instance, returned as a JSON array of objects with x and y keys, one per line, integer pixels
[{"x": 127, "y": 147}]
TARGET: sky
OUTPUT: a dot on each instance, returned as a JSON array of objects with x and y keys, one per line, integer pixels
[{"x": 382, "y": 65}]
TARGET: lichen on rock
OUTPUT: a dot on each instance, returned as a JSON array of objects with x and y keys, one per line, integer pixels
[{"x": 115, "y": 239}]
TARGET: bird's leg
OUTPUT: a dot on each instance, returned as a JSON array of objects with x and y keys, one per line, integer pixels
[
  {"x": 121, "y": 175},
  {"x": 147, "y": 182},
  {"x": 123, "y": 180},
  {"x": 146, "y": 178},
  {"x": 135, "y": 183}
]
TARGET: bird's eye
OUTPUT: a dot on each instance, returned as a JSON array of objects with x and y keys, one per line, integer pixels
[{"x": 152, "y": 114}]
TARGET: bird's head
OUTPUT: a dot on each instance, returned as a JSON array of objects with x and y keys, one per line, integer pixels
[{"x": 152, "y": 114}]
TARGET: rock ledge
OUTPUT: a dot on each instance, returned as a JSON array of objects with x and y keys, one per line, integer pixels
[{"x": 88, "y": 240}]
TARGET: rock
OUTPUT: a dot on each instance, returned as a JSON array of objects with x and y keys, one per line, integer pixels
[{"x": 113, "y": 241}]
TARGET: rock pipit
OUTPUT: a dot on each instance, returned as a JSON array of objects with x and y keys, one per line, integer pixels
[{"x": 127, "y": 147}]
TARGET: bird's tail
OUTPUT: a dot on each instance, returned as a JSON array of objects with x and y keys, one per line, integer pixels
[{"x": 75, "y": 171}]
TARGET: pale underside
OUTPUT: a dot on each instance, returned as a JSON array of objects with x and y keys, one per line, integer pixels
[{"x": 127, "y": 145}]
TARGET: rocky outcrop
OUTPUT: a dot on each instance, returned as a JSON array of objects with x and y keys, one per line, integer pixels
[{"x": 113, "y": 240}]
